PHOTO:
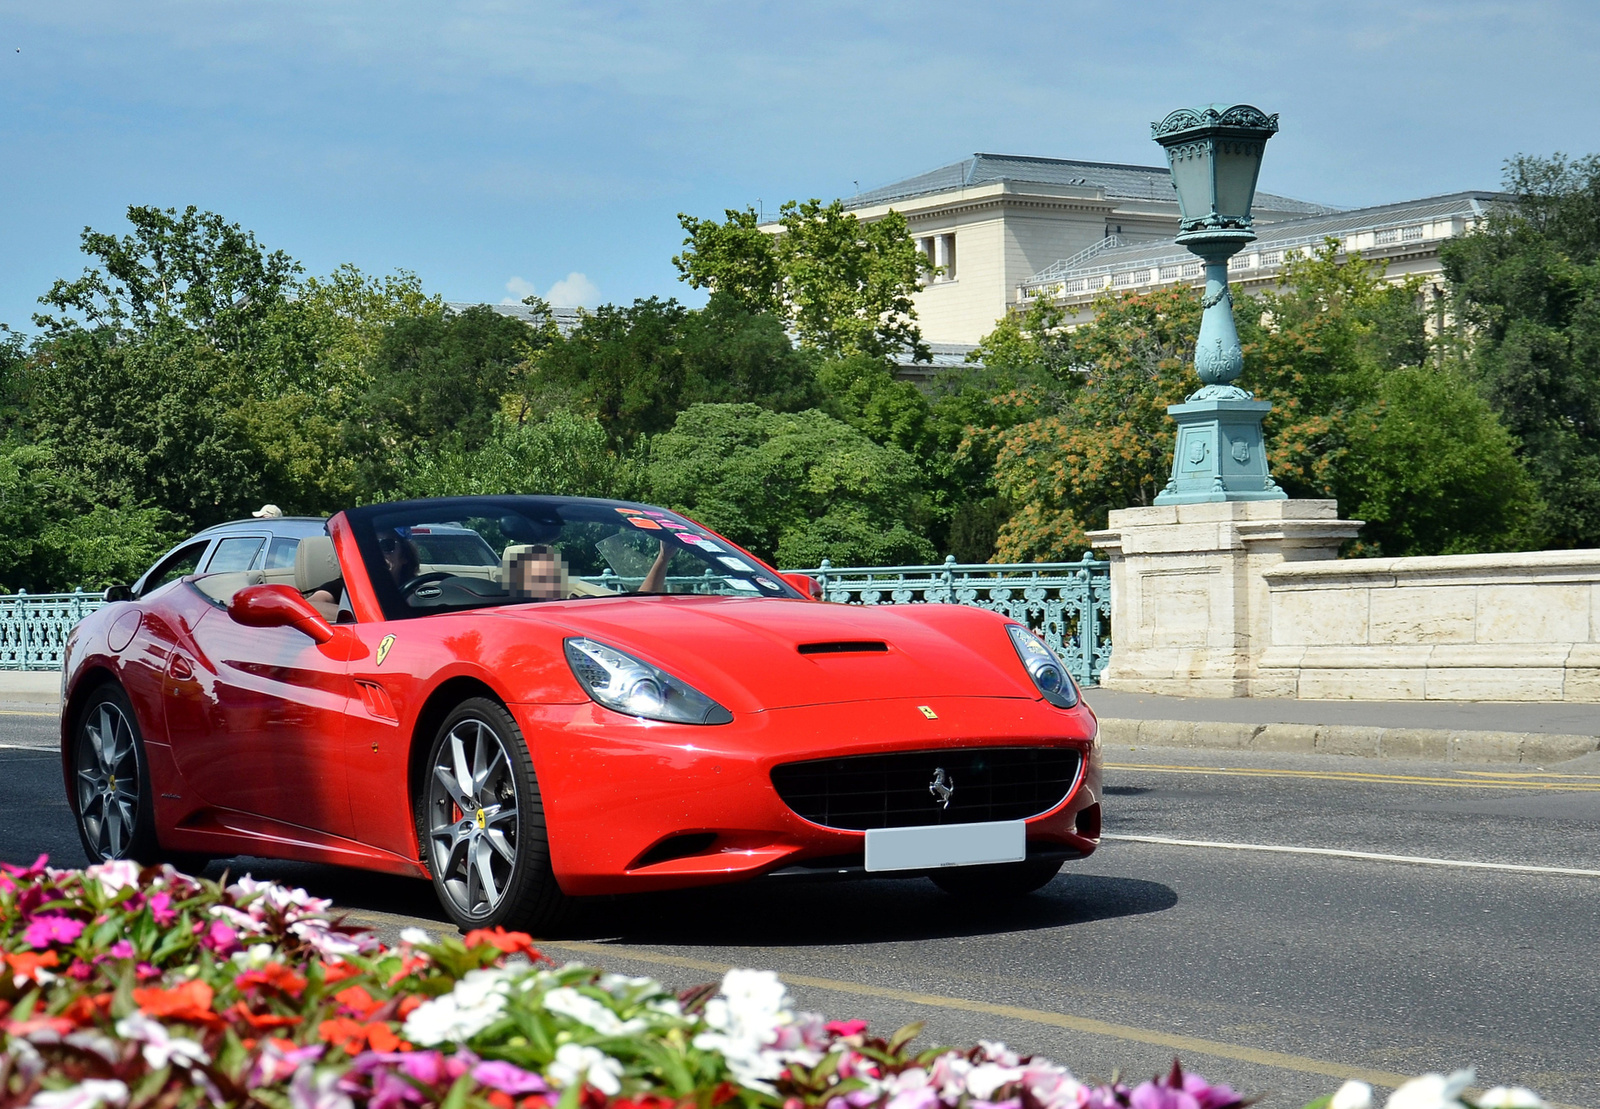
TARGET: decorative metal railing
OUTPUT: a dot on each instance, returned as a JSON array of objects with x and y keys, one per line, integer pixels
[
  {"x": 34, "y": 627},
  {"x": 1069, "y": 603}
]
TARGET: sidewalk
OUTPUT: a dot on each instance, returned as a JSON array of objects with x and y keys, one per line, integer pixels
[
  {"x": 30, "y": 690},
  {"x": 1441, "y": 731}
]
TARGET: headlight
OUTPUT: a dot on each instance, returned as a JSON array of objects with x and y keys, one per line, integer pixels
[
  {"x": 1047, "y": 671},
  {"x": 625, "y": 684}
]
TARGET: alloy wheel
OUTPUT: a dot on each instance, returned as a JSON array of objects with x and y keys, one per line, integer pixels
[
  {"x": 472, "y": 817},
  {"x": 108, "y": 781}
]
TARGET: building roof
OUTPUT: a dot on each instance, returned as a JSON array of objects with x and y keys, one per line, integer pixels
[
  {"x": 1307, "y": 231},
  {"x": 1119, "y": 181},
  {"x": 567, "y": 318}
]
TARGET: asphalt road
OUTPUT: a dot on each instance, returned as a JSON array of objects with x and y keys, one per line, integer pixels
[{"x": 1281, "y": 972}]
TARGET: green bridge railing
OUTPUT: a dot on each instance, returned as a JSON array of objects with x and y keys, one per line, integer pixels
[{"x": 1068, "y": 603}]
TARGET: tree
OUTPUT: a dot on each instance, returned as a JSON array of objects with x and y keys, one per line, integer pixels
[
  {"x": 558, "y": 453},
  {"x": 791, "y": 487},
  {"x": 1527, "y": 284},
  {"x": 843, "y": 286}
]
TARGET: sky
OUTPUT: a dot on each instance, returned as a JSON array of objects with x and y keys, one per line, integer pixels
[{"x": 501, "y": 148}]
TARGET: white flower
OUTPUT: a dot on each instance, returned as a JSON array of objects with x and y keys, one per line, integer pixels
[
  {"x": 997, "y": 1052},
  {"x": 1510, "y": 1097},
  {"x": 1431, "y": 1091},
  {"x": 986, "y": 1078},
  {"x": 414, "y": 936},
  {"x": 1053, "y": 1086},
  {"x": 1352, "y": 1095},
  {"x": 331, "y": 945},
  {"x": 586, "y": 1010},
  {"x": 575, "y": 1064},
  {"x": 116, "y": 875},
  {"x": 616, "y": 983},
  {"x": 160, "y": 1047},
  {"x": 476, "y": 1002},
  {"x": 88, "y": 1094},
  {"x": 310, "y": 1090},
  {"x": 254, "y": 957}
]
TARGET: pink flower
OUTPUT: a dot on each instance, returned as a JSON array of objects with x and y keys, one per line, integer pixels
[
  {"x": 80, "y": 971},
  {"x": 160, "y": 905},
  {"x": 426, "y": 1067},
  {"x": 508, "y": 1078},
  {"x": 1149, "y": 1095},
  {"x": 274, "y": 1064},
  {"x": 46, "y": 930},
  {"x": 26, "y": 874},
  {"x": 923, "y": 1097},
  {"x": 122, "y": 949},
  {"x": 389, "y": 1091},
  {"x": 146, "y": 972},
  {"x": 846, "y": 1027},
  {"x": 220, "y": 938}
]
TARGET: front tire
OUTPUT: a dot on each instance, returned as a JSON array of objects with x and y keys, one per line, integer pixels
[
  {"x": 480, "y": 819},
  {"x": 1003, "y": 880},
  {"x": 111, "y": 796}
]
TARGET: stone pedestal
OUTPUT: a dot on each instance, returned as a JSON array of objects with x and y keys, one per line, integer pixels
[{"x": 1190, "y": 611}]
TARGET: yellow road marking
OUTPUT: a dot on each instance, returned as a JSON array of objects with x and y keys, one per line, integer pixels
[
  {"x": 24, "y": 712},
  {"x": 1358, "y": 776}
]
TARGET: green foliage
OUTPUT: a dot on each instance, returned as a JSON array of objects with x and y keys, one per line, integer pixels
[
  {"x": 1527, "y": 284},
  {"x": 794, "y": 487},
  {"x": 842, "y": 285},
  {"x": 57, "y": 538},
  {"x": 560, "y": 453},
  {"x": 434, "y": 376}
]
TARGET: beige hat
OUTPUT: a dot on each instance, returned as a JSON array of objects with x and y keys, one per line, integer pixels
[{"x": 268, "y": 512}]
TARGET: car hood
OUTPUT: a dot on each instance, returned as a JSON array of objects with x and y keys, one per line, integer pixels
[{"x": 746, "y": 653}]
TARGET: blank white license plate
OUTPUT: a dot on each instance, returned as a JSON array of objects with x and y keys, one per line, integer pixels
[{"x": 937, "y": 845}]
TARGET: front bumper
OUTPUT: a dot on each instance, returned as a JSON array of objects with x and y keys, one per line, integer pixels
[{"x": 635, "y": 805}]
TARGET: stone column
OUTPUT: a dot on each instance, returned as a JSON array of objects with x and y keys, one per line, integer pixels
[{"x": 1190, "y": 611}]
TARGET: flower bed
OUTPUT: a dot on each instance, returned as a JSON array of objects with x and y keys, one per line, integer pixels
[{"x": 130, "y": 988}]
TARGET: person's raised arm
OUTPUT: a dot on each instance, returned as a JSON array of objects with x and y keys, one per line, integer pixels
[{"x": 656, "y": 580}]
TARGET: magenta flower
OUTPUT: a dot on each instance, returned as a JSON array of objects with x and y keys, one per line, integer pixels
[
  {"x": 160, "y": 906},
  {"x": 26, "y": 874},
  {"x": 46, "y": 930},
  {"x": 220, "y": 938},
  {"x": 122, "y": 949},
  {"x": 846, "y": 1027},
  {"x": 390, "y": 1091},
  {"x": 1150, "y": 1095},
  {"x": 508, "y": 1078},
  {"x": 426, "y": 1067}
]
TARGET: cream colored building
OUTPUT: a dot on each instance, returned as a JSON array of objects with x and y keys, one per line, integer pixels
[
  {"x": 993, "y": 221},
  {"x": 1006, "y": 229}
]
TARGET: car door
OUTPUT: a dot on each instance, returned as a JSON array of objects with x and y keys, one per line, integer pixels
[{"x": 256, "y": 717}]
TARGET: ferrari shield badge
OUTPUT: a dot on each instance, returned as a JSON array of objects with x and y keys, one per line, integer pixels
[
  {"x": 928, "y": 712},
  {"x": 383, "y": 648}
]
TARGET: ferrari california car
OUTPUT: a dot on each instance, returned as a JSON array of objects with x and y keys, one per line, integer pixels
[{"x": 534, "y": 699}]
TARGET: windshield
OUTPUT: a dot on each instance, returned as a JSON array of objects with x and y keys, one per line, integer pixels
[{"x": 460, "y": 553}]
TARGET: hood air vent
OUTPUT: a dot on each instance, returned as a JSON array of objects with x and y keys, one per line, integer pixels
[{"x": 846, "y": 647}]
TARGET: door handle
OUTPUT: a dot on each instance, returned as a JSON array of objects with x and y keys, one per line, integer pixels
[{"x": 180, "y": 668}]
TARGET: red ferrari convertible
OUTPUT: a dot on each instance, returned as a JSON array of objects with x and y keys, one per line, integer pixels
[{"x": 529, "y": 699}]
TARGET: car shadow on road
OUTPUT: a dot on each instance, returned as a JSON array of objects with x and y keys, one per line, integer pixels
[
  {"x": 789, "y": 913},
  {"x": 824, "y": 913}
]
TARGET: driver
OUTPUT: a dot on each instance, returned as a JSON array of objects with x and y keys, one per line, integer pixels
[{"x": 400, "y": 556}]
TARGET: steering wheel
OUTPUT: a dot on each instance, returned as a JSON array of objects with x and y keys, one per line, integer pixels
[{"x": 411, "y": 585}]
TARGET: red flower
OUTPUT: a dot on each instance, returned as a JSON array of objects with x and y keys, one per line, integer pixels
[
  {"x": 358, "y": 1002},
  {"x": 338, "y": 972},
  {"x": 85, "y": 1009},
  {"x": 352, "y": 1037},
  {"x": 409, "y": 1004},
  {"x": 410, "y": 964},
  {"x": 846, "y": 1027},
  {"x": 25, "y": 965},
  {"x": 274, "y": 976},
  {"x": 260, "y": 1022},
  {"x": 190, "y": 1002},
  {"x": 508, "y": 942}
]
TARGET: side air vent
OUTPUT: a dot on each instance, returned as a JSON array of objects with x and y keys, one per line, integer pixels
[{"x": 845, "y": 647}]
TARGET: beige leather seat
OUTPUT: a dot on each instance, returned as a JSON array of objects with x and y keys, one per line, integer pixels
[{"x": 316, "y": 567}]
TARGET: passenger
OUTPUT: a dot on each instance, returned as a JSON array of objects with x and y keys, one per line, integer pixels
[{"x": 536, "y": 572}]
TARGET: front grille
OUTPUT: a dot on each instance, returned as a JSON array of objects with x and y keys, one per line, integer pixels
[{"x": 892, "y": 791}]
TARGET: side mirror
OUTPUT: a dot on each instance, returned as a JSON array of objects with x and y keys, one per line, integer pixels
[
  {"x": 278, "y": 606},
  {"x": 118, "y": 593},
  {"x": 808, "y": 585}
]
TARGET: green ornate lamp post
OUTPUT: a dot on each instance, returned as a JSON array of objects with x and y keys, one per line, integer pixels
[{"x": 1215, "y": 156}]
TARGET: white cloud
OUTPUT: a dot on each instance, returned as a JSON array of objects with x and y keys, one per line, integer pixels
[
  {"x": 518, "y": 288},
  {"x": 573, "y": 291}
]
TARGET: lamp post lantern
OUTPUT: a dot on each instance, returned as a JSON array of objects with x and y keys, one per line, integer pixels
[{"x": 1215, "y": 156}]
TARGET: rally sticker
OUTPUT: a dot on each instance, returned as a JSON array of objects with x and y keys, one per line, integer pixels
[
  {"x": 641, "y": 522},
  {"x": 767, "y": 583},
  {"x": 708, "y": 544},
  {"x": 736, "y": 564},
  {"x": 630, "y": 512},
  {"x": 740, "y": 583}
]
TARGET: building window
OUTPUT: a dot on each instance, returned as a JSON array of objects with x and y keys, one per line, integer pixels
[
  {"x": 925, "y": 248},
  {"x": 944, "y": 256}
]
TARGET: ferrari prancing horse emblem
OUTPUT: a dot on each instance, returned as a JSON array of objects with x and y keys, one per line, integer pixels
[
  {"x": 929, "y": 713},
  {"x": 941, "y": 787},
  {"x": 383, "y": 648}
]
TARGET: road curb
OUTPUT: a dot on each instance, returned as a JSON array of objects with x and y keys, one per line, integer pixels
[{"x": 1434, "y": 745}]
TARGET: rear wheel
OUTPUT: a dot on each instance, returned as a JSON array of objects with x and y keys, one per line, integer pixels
[
  {"x": 481, "y": 821},
  {"x": 111, "y": 781},
  {"x": 1001, "y": 880}
]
